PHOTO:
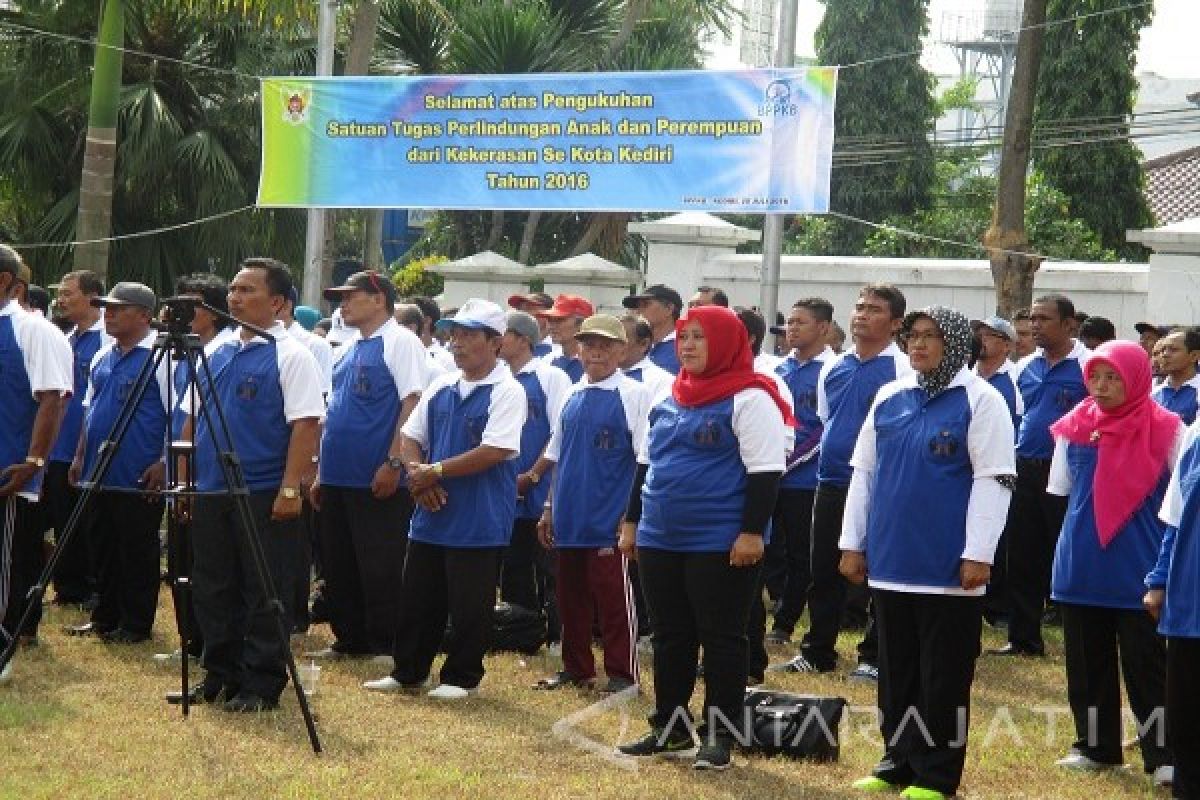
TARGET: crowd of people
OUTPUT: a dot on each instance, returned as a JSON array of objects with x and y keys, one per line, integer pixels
[{"x": 663, "y": 479}]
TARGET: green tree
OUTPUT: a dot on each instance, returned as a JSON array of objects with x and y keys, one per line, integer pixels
[
  {"x": 887, "y": 105},
  {"x": 1087, "y": 72}
]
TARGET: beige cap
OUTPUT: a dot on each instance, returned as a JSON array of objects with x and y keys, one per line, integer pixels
[
  {"x": 604, "y": 325},
  {"x": 24, "y": 274}
]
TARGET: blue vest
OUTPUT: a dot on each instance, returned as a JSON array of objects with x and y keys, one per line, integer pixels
[
  {"x": 246, "y": 381},
  {"x": 542, "y": 349},
  {"x": 695, "y": 489},
  {"x": 18, "y": 408},
  {"x": 1049, "y": 392},
  {"x": 113, "y": 382},
  {"x": 802, "y": 381},
  {"x": 917, "y": 520},
  {"x": 84, "y": 345},
  {"x": 361, "y": 420},
  {"x": 481, "y": 507},
  {"x": 663, "y": 354},
  {"x": 596, "y": 465},
  {"x": 1181, "y": 401},
  {"x": 1113, "y": 577},
  {"x": 1002, "y": 383},
  {"x": 572, "y": 366},
  {"x": 1181, "y": 611},
  {"x": 850, "y": 388},
  {"x": 534, "y": 436}
]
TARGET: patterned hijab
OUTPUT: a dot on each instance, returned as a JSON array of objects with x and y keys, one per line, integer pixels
[{"x": 956, "y": 339}]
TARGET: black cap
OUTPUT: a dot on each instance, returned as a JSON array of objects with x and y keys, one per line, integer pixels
[
  {"x": 368, "y": 281},
  {"x": 1147, "y": 327},
  {"x": 128, "y": 293},
  {"x": 663, "y": 294}
]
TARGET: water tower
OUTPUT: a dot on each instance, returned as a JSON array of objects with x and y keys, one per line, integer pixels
[{"x": 983, "y": 38}]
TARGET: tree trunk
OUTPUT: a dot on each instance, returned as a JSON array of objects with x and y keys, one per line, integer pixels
[
  {"x": 528, "y": 235},
  {"x": 100, "y": 152},
  {"x": 634, "y": 11},
  {"x": 496, "y": 232},
  {"x": 358, "y": 62},
  {"x": 1012, "y": 268},
  {"x": 590, "y": 234}
]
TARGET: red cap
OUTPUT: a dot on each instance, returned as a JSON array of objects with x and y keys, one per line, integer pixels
[
  {"x": 569, "y": 305},
  {"x": 539, "y": 299}
]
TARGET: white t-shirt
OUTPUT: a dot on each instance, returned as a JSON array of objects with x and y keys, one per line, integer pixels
[
  {"x": 506, "y": 409},
  {"x": 554, "y": 382},
  {"x": 656, "y": 379},
  {"x": 403, "y": 354},
  {"x": 322, "y": 351},
  {"x": 763, "y": 439}
]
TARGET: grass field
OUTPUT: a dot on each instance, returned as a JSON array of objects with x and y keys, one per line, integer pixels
[{"x": 86, "y": 720}]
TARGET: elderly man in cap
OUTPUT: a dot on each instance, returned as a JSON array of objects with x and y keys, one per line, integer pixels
[
  {"x": 1149, "y": 334},
  {"x": 564, "y": 318},
  {"x": 123, "y": 523},
  {"x": 35, "y": 360},
  {"x": 359, "y": 492},
  {"x": 532, "y": 304},
  {"x": 996, "y": 337},
  {"x": 460, "y": 448},
  {"x": 594, "y": 450},
  {"x": 660, "y": 306},
  {"x": 527, "y": 577}
]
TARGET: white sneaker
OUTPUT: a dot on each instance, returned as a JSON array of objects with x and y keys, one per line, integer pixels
[
  {"x": 447, "y": 691},
  {"x": 1080, "y": 762},
  {"x": 1163, "y": 776},
  {"x": 6, "y": 673},
  {"x": 555, "y": 649},
  {"x": 390, "y": 684},
  {"x": 167, "y": 658}
]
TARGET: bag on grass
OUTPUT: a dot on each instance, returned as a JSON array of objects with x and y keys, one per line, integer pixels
[
  {"x": 514, "y": 629},
  {"x": 795, "y": 725}
]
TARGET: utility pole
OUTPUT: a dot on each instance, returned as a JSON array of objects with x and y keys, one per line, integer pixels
[
  {"x": 785, "y": 57},
  {"x": 314, "y": 239},
  {"x": 1013, "y": 267}
]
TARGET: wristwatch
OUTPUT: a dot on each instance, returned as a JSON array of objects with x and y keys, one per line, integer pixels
[
  {"x": 437, "y": 468},
  {"x": 289, "y": 493},
  {"x": 533, "y": 477},
  {"x": 396, "y": 462},
  {"x": 37, "y": 462}
]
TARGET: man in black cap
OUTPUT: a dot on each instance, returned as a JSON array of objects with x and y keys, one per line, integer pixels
[
  {"x": 660, "y": 306},
  {"x": 1149, "y": 334},
  {"x": 35, "y": 360},
  {"x": 123, "y": 524},
  {"x": 363, "y": 504}
]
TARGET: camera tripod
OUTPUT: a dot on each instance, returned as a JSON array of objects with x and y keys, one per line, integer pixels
[{"x": 177, "y": 345}]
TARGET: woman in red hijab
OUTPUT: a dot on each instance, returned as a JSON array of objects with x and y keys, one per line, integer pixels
[
  {"x": 703, "y": 496},
  {"x": 1112, "y": 458}
]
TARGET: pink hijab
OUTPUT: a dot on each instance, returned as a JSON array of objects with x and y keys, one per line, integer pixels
[{"x": 1134, "y": 439}]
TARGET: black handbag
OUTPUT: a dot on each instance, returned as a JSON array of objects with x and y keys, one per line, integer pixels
[{"x": 794, "y": 725}]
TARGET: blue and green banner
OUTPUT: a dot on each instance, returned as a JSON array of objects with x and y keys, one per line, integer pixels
[{"x": 745, "y": 141}]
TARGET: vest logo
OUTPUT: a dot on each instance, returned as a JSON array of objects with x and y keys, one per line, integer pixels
[
  {"x": 124, "y": 390},
  {"x": 475, "y": 426},
  {"x": 807, "y": 400},
  {"x": 603, "y": 440},
  {"x": 247, "y": 389},
  {"x": 1064, "y": 399},
  {"x": 361, "y": 385},
  {"x": 534, "y": 412},
  {"x": 708, "y": 434},
  {"x": 944, "y": 445}
]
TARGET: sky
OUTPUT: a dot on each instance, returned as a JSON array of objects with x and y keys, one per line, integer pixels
[{"x": 1168, "y": 45}]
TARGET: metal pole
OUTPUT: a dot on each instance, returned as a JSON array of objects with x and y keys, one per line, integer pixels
[
  {"x": 314, "y": 238},
  {"x": 785, "y": 54}
]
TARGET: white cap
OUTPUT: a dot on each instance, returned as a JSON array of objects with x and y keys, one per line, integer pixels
[{"x": 477, "y": 314}]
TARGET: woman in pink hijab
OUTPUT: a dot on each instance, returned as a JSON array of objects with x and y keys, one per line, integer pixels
[{"x": 1112, "y": 458}]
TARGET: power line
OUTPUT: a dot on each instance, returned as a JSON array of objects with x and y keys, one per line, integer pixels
[
  {"x": 978, "y": 247},
  {"x": 138, "y": 235}
]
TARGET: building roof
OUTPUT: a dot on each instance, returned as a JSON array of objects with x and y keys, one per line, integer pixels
[{"x": 1173, "y": 186}]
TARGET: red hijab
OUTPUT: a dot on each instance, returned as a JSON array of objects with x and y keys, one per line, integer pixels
[
  {"x": 1134, "y": 439},
  {"x": 730, "y": 367}
]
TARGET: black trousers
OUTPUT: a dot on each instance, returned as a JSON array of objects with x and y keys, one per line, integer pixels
[
  {"x": 242, "y": 644},
  {"x": 528, "y": 576},
  {"x": 124, "y": 528},
  {"x": 1183, "y": 713},
  {"x": 698, "y": 600},
  {"x": 1035, "y": 521},
  {"x": 22, "y": 559},
  {"x": 756, "y": 633},
  {"x": 1101, "y": 644},
  {"x": 75, "y": 573},
  {"x": 441, "y": 582},
  {"x": 790, "y": 548},
  {"x": 928, "y": 645},
  {"x": 363, "y": 541},
  {"x": 302, "y": 572}
]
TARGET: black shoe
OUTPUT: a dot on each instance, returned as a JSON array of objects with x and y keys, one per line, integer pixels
[
  {"x": 778, "y": 637},
  {"x": 562, "y": 680},
  {"x": 122, "y": 636},
  {"x": 656, "y": 742},
  {"x": 714, "y": 754},
  {"x": 614, "y": 685},
  {"x": 249, "y": 703},
  {"x": 87, "y": 629},
  {"x": 204, "y": 693},
  {"x": 1011, "y": 649}
]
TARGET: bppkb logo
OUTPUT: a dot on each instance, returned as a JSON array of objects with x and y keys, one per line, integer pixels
[{"x": 777, "y": 101}]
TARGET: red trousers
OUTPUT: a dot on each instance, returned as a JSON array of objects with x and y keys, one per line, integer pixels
[{"x": 594, "y": 583}]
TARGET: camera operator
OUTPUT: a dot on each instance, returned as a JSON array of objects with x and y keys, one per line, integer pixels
[{"x": 269, "y": 391}]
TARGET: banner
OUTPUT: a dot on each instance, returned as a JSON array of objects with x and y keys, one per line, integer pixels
[{"x": 746, "y": 141}]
